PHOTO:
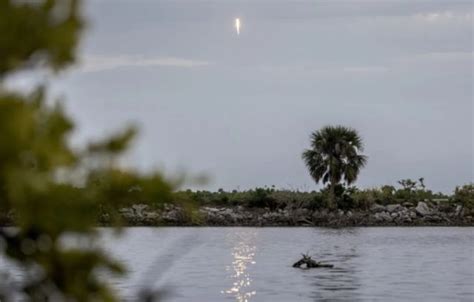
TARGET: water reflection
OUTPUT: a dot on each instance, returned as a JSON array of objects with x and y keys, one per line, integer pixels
[
  {"x": 243, "y": 254},
  {"x": 340, "y": 283}
]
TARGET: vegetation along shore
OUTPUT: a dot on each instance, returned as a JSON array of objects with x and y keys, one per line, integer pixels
[{"x": 411, "y": 204}]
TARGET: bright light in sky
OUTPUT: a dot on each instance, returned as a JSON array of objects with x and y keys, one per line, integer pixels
[{"x": 237, "y": 25}]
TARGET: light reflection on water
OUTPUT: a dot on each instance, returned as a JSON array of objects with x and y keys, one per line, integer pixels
[
  {"x": 243, "y": 254},
  {"x": 255, "y": 264}
]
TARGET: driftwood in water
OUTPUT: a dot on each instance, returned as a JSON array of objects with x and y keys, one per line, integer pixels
[{"x": 310, "y": 263}]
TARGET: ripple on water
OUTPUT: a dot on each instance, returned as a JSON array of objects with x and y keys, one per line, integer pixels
[{"x": 254, "y": 264}]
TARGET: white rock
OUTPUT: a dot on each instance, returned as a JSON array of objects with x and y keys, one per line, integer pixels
[
  {"x": 394, "y": 208},
  {"x": 378, "y": 217},
  {"x": 139, "y": 209},
  {"x": 459, "y": 210},
  {"x": 376, "y": 208},
  {"x": 211, "y": 210},
  {"x": 423, "y": 209},
  {"x": 383, "y": 216}
]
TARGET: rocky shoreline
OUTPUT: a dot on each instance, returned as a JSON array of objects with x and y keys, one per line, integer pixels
[
  {"x": 424, "y": 213},
  {"x": 406, "y": 214}
]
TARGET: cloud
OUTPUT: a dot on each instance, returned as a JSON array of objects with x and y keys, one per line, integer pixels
[
  {"x": 444, "y": 16},
  {"x": 101, "y": 63}
]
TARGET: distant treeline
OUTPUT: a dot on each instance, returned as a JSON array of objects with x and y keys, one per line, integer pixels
[{"x": 346, "y": 197}]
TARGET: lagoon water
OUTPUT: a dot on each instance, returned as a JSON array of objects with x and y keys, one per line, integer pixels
[{"x": 254, "y": 264}]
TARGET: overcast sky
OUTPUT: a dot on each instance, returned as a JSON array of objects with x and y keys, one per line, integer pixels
[{"x": 241, "y": 108}]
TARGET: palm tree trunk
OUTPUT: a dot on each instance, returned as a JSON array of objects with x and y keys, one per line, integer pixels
[{"x": 332, "y": 196}]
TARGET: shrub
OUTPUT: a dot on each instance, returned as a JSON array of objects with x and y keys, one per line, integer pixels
[
  {"x": 317, "y": 201},
  {"x": 413, "y": 190},
  {"x": 260, "y": 198},
  {"x": 465, "y": 195}
]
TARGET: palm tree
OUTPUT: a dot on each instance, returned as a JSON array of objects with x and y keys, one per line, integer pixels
[{"x": 334, "y": 156}]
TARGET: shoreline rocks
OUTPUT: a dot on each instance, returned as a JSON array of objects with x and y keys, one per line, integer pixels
[{"x": 424, "y": 214}]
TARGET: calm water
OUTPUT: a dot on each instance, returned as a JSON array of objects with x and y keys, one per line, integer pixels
[{"x": 254, "y": 264}]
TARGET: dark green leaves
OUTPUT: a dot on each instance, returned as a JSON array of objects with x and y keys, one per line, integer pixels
[
  {"x": 334, "y": 155},
  {"x": 50, "y": 190},
  {"x": 38, "y": 33}
]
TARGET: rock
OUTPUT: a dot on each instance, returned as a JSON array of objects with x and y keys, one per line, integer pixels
[
  {"x": 104, "y": 218},
  {"x": 139, "y": 214},
  {"x": 305, "y": 204},
  {"x": 423, "y": 209},
  {"x": 126, "y": 211},
  {"x": 139, "y": 210},
  {"x": 172, "y": 216},
  {"x": 383, "y": 217},
  {"x": 378, "y": 217},
  {"x": 394, "y": 208},
  {"x": 399, "y": 214},
  {"x": 434, "y": 218},
  {"x": 212, "y": 210},
  {"x": 459, "y": 210},
  {"x": 152, "y": 215},
  {"x": 445, "y": 218},
  {"x": 386, "y": 216},
  {"x": 319, "y": 217},
  {"x": 408, "y": 204},
  {"x": 301, "y": 212},
  {"x": 376, "y": 208},
  {"x": 222, "y": 216},
  {"x": 305, "y": 222}
]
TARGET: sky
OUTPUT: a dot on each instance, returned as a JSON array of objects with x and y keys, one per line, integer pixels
[{"x": 240, "y": 108}]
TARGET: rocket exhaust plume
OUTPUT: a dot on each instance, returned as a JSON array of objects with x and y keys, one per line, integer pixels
[{"x": 237, "y": 25}]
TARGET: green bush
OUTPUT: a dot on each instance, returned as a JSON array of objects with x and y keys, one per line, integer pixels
[
  {"x": 465, "y": 195},
  {"x": 413, "y": 191},
  {"x": 346, "y": 197},
  {"x": 317, "y": 202},
  {"x": 55, "y": 189},
  {"x": 260, "y": 198}
]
